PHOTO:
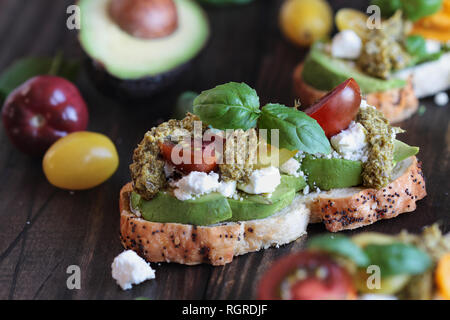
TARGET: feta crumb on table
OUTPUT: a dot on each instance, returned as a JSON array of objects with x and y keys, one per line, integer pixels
[
  {"x": 441, "y": 99},
  {"x": 128, "y": 268}
]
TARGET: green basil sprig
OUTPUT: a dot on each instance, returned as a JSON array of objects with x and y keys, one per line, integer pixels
[
  {"x": 340, "y": 245},
  {"x": 228, "y": 106},
  {"x": 398, "y": 258},
  {"x": 297, "y": 130}
]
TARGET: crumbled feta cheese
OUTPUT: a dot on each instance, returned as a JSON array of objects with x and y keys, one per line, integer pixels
[
  {"x": 199, "y": 183},
  {"x": 429, "y": 77},
  {"x": 364, "y": 105},
  {"x": 346, "y": 44},
  {"x": 441, "y": 99},
  {"x": 432, "y": 46},
  {"x": 306, "y": 190},
  {"x": 196, "y": 183},
  {"x": 291, "y": 167},
  {"x": 128, "y": 269},
  {"x": 227, "y": 189},
  {"x": 263, "y": 180},
  {"x": 351, "y": 143}
]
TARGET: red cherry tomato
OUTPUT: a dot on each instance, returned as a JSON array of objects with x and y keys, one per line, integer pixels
[
  {"x": 207, "y": 157},
  {"x": 338, "y": 108},
  {"x": 306, "y": 276},
  {"x": 42, "y": 110}
]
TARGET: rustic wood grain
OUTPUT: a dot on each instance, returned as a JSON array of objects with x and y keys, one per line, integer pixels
[{"x": 43, "y": 230}]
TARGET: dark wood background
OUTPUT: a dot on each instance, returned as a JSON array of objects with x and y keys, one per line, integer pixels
[{"x": 43, "y": 230}]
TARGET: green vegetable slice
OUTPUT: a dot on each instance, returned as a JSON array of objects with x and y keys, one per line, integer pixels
[
  {"x": 417, "y": 9},
  {"x": 228, "y": 106},
  {"x": 403, "y": 151},
  {"x": 398, "y": 258},
  {"x": 340, "y": 245},
  {"x": 297, "y": 130}
]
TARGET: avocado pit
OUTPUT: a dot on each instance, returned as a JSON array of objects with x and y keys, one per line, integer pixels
[{"x": 146, "y": 19}]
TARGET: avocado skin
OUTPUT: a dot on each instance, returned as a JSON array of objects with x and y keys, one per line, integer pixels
[
  {"x": 328, "y": 174},
  {"x": 202, "y": 211},
  {"x": 132, "y": 89},
  {"x": 259, "y": 207},
  {"x": 323, "y": 72}
]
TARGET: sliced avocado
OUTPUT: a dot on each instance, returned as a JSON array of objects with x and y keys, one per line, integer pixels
[
  {"x": 297, "y": 183},
  {"x": 403, "y": 151},
  {"x": 202, "y": 211},
  {"x": 324, "y": 72},
  {"x": 253, "y": 207},
  {"x": 328, "y": 174},
  {"x": 127, "y": 57}
]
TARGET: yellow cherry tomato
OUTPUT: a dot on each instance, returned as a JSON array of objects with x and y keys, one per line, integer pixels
[
  {"x": 305, "y": 21},
  {"x": 80, "y": 160},
  {"x": 352, "y": 19}
]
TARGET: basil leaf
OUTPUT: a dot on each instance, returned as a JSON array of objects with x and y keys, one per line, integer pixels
[
  {"x": 228, "y": 106},
  {"x": 417, "y": 9},
  {"x": 26, "y": 68},
  {"x": 416, "y": 45},
  {"x": 398, "y": 258},
  {"x": 387, "y": 7},
  {"x": 297, "y": 130},
  {"x": 340, "y": 245}
]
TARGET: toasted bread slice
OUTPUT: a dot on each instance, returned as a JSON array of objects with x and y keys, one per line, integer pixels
[
  {"x": 216, "y": 244},
  {"x": 351, "y": 208},
  {"x": 396, "y": 104}
]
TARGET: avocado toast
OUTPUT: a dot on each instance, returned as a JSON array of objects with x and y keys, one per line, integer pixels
[
  {"x": 388, "y": 62},
  {"x": 210, "y": 186}
]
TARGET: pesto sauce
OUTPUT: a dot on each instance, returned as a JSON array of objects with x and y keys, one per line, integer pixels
[{"x": 380, "y": 136}]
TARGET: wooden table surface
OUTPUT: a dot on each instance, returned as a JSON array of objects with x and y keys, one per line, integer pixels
[{"x": 43, "y": 229}]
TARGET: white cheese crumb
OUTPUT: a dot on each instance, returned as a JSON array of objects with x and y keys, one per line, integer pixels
[
  {"x": 264, "y": 180},
  {"x": 346, "y": 44},
  {"x": 306, "y": 190},
  {"x": 199, "y": 183},
  {"x": 128, "y": 269},
  {"x": 441, "y": 99},
  {"x": 227, "y": 189},
  {"x": 291, "y": 167},
  {"x": 351, "y": 143},
  {"x": 432, "y": 46}
]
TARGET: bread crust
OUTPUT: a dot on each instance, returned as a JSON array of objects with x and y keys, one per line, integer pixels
[
  {"x": 217, "y": 245},
  {"x": 396, "y": 104},
  {"x": 351, "y": 208}
]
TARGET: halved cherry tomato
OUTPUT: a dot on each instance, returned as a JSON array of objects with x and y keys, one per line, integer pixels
[
  {"x": 206, "y": 160},
  {"x": 338, "y": 108},
  {"x": 306, "y": 276}
]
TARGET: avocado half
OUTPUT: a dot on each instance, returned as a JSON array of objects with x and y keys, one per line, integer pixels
[{"x": 136, "y": 67}]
